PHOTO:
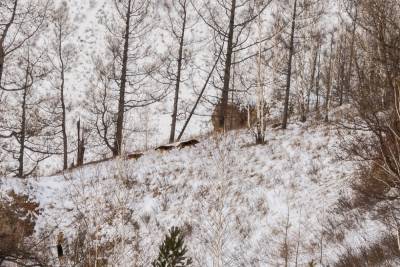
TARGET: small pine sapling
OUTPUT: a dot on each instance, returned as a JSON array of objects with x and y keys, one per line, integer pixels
[{"x": 172, "y": 251}]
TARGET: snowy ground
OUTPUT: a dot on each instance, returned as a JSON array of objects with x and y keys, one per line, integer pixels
[{"x": 236, "y": 201}]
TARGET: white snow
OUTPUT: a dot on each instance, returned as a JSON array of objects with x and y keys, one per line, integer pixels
[{"x": 237, "y": 199}]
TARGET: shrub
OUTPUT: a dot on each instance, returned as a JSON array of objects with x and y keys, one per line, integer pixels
[
  {"x": 172, "y": 251},
  {"x": 17, "y": 222}
]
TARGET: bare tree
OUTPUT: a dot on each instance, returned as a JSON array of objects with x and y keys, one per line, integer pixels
[
  {"x": 340, "y": 66},
  {"x": 346, "y": 52},
  {"x": 315, "y": 54},
  {"x": 260, "y": 102},
  {"x": 305, "y": 13},
  {"x": 230, "y": 22},
  {"x": 126, "y": 75},
  {"x": 102, "y": 105},
  {"x": 289, "y": 69},
  {"x": 317, "y": 81},
  {"x": 129, "y": 15},
  {"x": 28, "y": 121},
  {"x": 306, "y": 67},
  {"x": 19, "y": 22},
  {"x": 178, "y": 18},
  {"x": 81, "y": 144},
  {"x": 199, "y": 97},
  {"x": 328, "y": 77},
  {"x": 132, "y": 15},
  {"x": 61, "y": 58}
]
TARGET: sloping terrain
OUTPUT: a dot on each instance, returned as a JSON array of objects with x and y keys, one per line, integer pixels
[{"x": 239, "y": 204}]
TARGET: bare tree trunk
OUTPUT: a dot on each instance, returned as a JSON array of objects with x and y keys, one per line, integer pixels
[
  {"x": 62, "y": 86},
  {"x": 22, "y": 138},
  {"x": 318, "y": 79},
  {"x": 178, "y": 77},
  {"x": 314, "y": 69},
  {"x": 2, "y": 55},
  {"x": 64, "y": 130},
  {"x": 289, "y": 74},
  {"x": 228, "y": 65},
  {"x": 232, "y": 89},
  {"x": 260, "y": 134},
  {"x": 352, "y": 54},
  {"x": 200, "y": 95},
  {"x": 329, "y": 82},
  {"x": 3, "y": 38},
  {"x": 341, "y": 76},
  {"x": 81, "y": 145},
  {"x": 342, "y": 65},
  {"x": 117, "y": 151},
  {"x": 22, "y": 132}
]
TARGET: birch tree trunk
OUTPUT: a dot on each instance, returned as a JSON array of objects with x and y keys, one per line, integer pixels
[{"x": 260, "y": 135}]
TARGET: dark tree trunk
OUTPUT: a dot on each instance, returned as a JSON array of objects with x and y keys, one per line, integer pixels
[
  {"x": 62, "y": 86},
  {"x": 342, "y": 65},
  {"x": 2, "y": 55},
  {"x": 341, "y": 76},
  {"x": 3, "y": 38},
  {"x": 228, "y": 65},
  {"x": 314, "y": 69},
  {"x": 81, "y": 145},
  {"x": 178, "y": 78},
  {"x": 64, "y": 130},
  {"x": 117, "y": 150},
  {"x": 352, "y": 55},
  {"x": 329, "y": 83},
  {"x": 318, "y": 79},
  {"x": 289, "y": 74},
  {"x": 200, "y": 95},
  {"x": 22, "y": 133}
]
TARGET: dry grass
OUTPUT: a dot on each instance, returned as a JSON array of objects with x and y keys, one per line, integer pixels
[
  {"x": 368, "y": 198},
  {"x": 382, "y": 253}
]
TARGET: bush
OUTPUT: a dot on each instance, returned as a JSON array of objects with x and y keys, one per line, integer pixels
[{"x": 17, "y": 222}]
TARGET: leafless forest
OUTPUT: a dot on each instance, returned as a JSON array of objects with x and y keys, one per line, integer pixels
[{"x": 164, "y": 133}]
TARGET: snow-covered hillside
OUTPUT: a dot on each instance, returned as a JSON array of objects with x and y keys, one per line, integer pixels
[
  {"x": 240, "y": 204},
  {"x": 296, "y": 160}
]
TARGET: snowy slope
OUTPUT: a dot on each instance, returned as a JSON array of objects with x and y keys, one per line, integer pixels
[{"x": 235, "y": 200}]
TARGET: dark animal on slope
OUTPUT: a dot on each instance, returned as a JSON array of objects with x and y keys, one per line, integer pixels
[
  {"x": 134, "y": 156},
  {"x": 179, "y": 145}
]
